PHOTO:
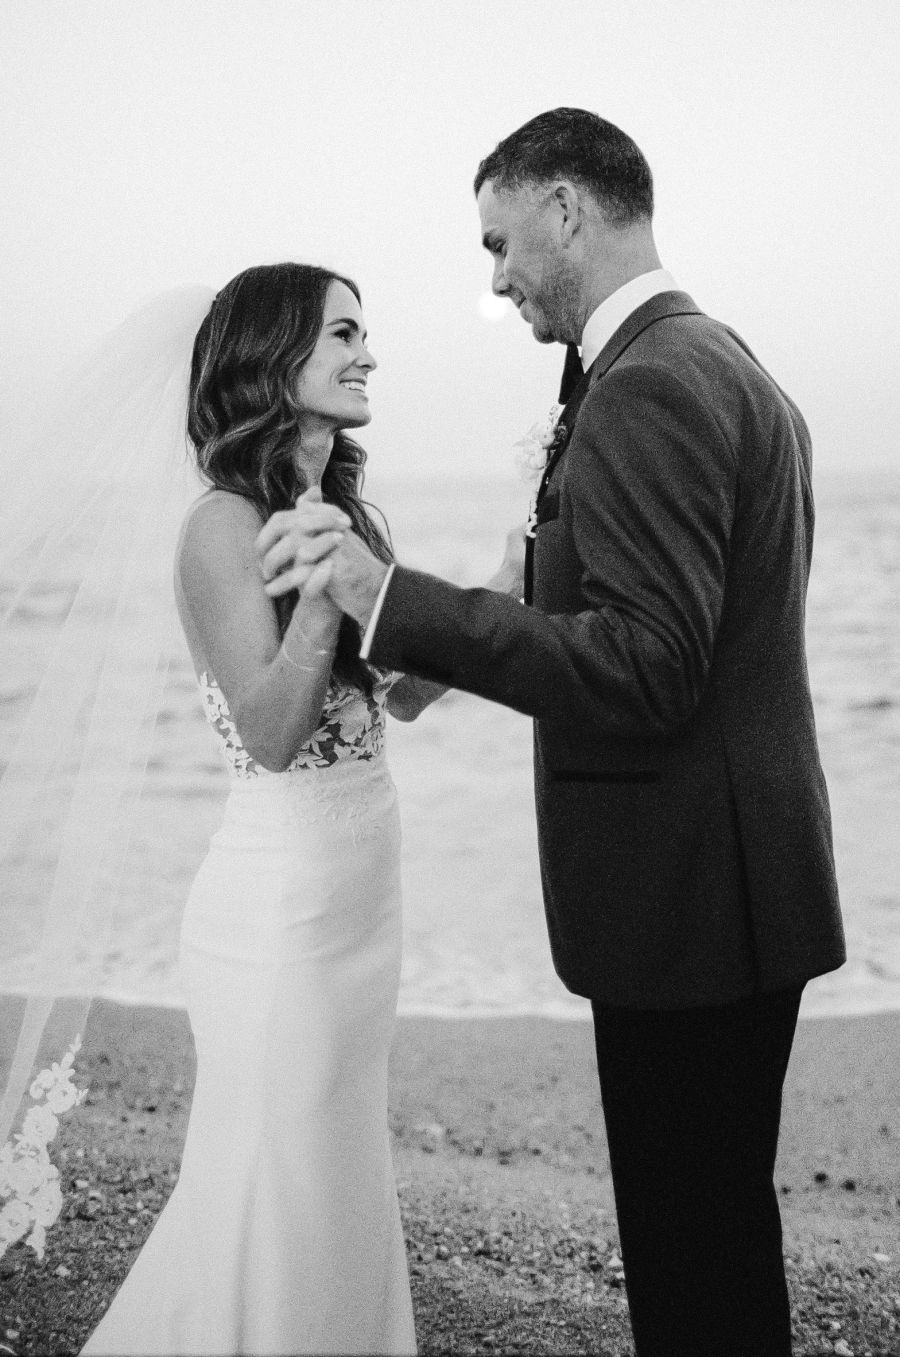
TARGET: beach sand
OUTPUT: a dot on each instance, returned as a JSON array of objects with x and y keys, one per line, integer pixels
[{"x": 504, "y": 1185}]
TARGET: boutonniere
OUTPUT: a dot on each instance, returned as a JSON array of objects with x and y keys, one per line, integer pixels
[
  {"x": 538, "y": 444},
  {"x": 537, "y": 448}
]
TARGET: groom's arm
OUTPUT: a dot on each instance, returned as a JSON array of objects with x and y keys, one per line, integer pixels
[{"x": 651, "y": 487}]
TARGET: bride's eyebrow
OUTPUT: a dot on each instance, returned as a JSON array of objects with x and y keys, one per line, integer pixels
[{"x": 346, "y": 320}]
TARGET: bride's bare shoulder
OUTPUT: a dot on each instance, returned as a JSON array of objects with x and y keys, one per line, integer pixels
[
  {"x": 219, "y": 529},
  {"x": 215, "y": 514}
]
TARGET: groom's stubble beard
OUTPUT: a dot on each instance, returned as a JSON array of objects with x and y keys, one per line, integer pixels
[{"x": 560, "y": 302}]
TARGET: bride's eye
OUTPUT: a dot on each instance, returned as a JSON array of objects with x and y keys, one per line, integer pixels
[{"x": 345, "y": 334}]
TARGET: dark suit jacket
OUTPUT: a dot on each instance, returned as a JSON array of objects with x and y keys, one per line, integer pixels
[{"x": 683, "y": 821}]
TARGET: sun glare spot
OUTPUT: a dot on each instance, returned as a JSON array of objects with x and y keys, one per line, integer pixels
[{"x": 492, "y": 308}]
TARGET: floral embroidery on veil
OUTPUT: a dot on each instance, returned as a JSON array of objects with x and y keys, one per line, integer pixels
[{"x": 29, "y": 1181}]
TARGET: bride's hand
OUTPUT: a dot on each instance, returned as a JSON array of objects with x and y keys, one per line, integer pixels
[
  {"x": 510, "y": 578},
  {"x": 295, "y": 545}
]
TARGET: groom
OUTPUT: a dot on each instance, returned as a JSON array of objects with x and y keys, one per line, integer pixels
[{"x": 685, "y": 839}]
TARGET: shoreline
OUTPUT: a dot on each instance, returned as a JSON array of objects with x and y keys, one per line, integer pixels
[
  {"x": 564, "y": 1012},
  {"x": 500, "y": 1158}
]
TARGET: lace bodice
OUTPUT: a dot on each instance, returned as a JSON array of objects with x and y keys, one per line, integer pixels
[{"x": 352, "y": 727}]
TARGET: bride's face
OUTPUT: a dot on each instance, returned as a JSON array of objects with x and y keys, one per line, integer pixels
[{"x": 332, "y": 385}]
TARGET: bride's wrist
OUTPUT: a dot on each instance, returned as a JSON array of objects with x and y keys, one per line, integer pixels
[{"x": 311, "y": 636}]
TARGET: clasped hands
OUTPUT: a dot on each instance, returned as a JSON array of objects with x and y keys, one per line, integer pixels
[{"x": 312, "y": 548}]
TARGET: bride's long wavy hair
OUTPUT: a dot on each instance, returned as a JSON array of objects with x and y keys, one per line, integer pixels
[{"x": 243, "y": 413}]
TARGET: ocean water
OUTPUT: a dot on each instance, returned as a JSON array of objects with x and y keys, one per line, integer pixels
[{"x": 474, "y": 933}]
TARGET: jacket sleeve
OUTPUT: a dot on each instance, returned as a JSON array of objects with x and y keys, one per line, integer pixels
[{"x": 650, "y": 493}]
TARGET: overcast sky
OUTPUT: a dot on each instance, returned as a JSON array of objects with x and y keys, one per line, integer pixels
[{"x": 146, "y": 145}]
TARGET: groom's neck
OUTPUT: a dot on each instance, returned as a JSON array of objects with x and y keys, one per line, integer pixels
[{"x": 617, "y": 255}]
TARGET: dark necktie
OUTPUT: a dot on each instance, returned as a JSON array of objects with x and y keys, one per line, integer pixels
[{"x": 572, "y": 373}]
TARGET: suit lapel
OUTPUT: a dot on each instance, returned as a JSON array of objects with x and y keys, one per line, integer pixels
[{"x": 660, "y": 307}]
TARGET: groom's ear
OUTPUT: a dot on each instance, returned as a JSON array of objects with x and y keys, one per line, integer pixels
[{"x": 569, "y": 203}]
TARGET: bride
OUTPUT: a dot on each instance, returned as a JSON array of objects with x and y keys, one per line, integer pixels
[{"x": 283, "y": 1233}]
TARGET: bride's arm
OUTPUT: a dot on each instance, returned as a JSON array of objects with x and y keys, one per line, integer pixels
[
  {"x": 274, "y": 686},
  {"x": 410, "y": 695}
]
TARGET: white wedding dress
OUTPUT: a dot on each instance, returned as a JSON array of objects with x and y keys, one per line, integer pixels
[{"x": 283, "y": 1233}]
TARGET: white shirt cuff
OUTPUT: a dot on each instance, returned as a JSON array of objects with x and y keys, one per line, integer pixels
[{"x": 376, "y": 613}]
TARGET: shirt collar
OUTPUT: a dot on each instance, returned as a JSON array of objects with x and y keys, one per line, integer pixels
[{"x": 613, "y": 312}]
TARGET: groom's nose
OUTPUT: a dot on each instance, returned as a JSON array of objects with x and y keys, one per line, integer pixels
[{"x": 499, "y": 285}]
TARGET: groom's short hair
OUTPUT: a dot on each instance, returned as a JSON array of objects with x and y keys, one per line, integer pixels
[{"x": 571, "y": 143}]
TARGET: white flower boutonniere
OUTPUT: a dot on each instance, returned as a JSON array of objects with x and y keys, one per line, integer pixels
[
  {"x": 30, "y": 1194},
  {"x": 537, "y": 447}
]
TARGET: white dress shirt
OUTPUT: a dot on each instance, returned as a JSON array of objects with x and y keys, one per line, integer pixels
[
  {"x": 601, "y": 327},
  {"x": 376, "y": 612},
  {"x": 612, "y": 313}
]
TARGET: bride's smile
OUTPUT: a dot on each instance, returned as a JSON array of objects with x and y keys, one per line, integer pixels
[{"x": 332, "y": 387}]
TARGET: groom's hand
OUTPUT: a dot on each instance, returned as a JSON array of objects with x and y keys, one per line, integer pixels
[
  {"x": 510, "y": 578},
  {"x": 296, "y": 548},
  {"x": 294, "y": 545},
  {"x": 356, "y": 578},
  {"x": 309, "y": 548}
]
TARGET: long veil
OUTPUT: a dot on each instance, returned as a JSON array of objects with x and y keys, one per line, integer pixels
[{"x": 89, "y": 516}]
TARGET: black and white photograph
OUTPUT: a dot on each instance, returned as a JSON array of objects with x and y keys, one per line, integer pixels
[{"x": 449, "y": 678}]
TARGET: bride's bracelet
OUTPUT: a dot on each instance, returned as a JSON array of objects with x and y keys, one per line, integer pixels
[{"x": 314, "y": 650}]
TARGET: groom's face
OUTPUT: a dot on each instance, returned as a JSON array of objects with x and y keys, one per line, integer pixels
[{"x": 520, "y": 232}]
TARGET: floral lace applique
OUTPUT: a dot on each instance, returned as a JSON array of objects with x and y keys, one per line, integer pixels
[
  {"x": 30, "y": 1195},
  {"x": 219, "y": 717},
  {"x": 352, "y": 727}
]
